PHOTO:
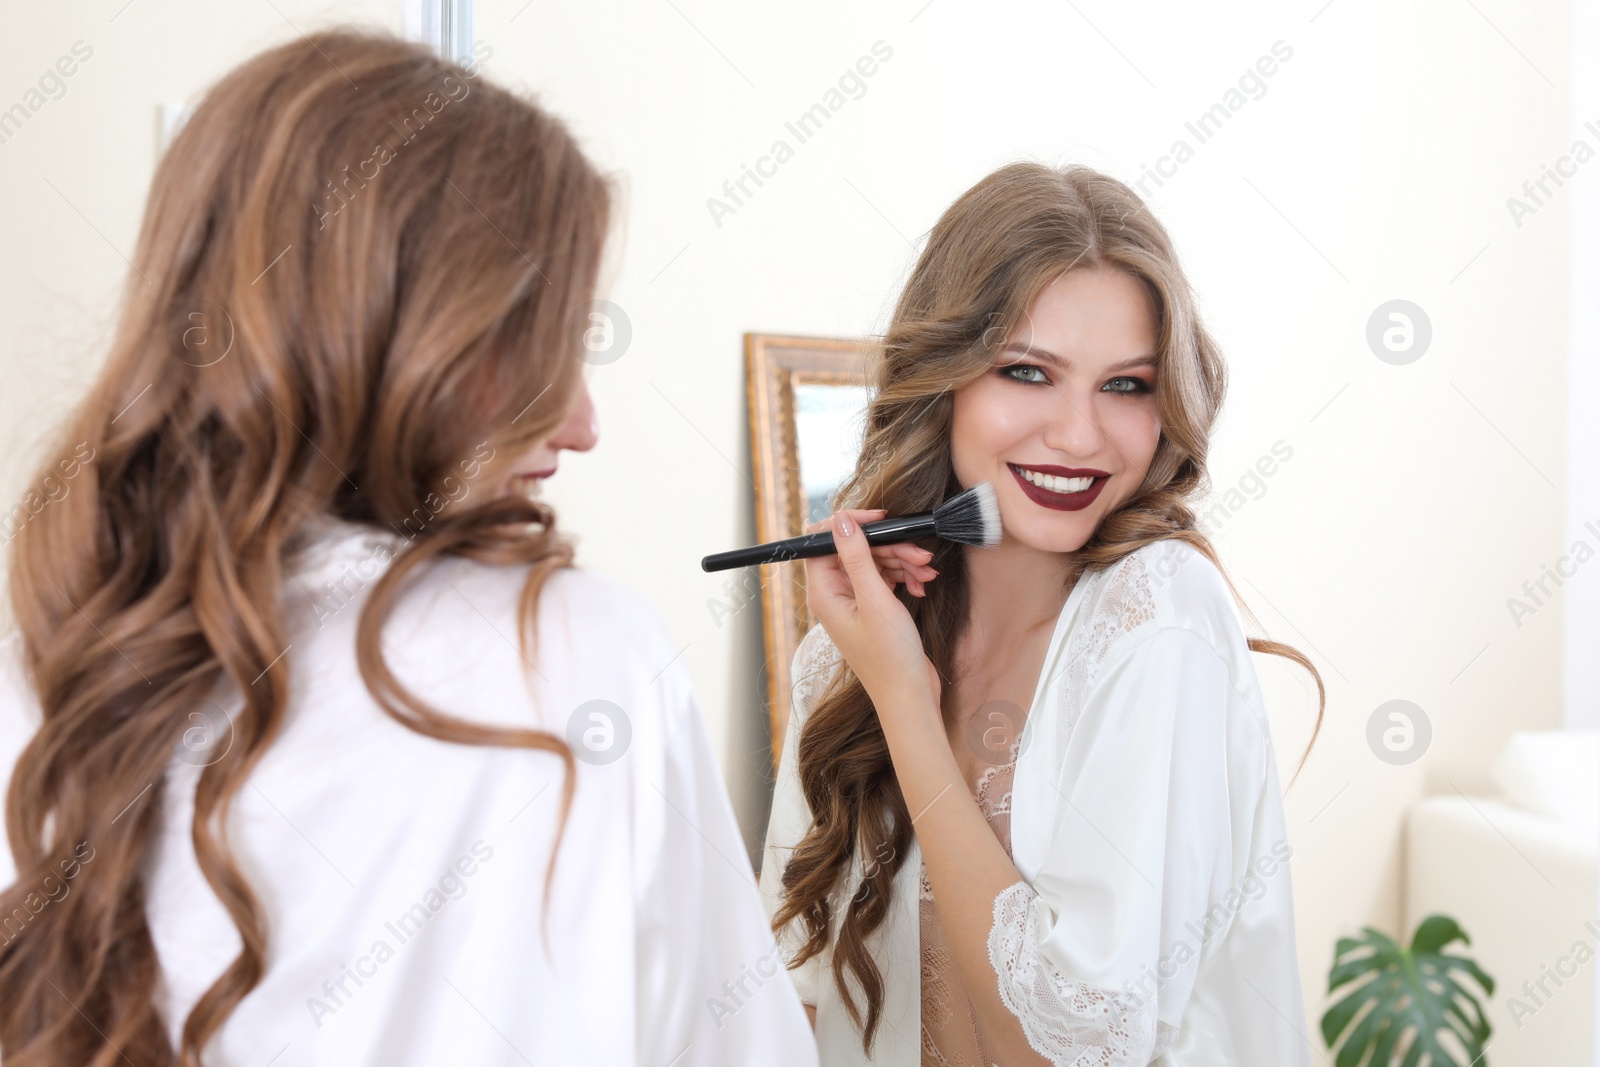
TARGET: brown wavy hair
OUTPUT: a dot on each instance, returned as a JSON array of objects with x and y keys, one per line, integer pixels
[
  {"x": 359, "y": 268},
  {"x": 987, "y": 258}
]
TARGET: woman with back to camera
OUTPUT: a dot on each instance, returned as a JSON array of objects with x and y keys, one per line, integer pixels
[
  {"x": 320, "y": 750},
  {"x": 1027, "y": 807}
]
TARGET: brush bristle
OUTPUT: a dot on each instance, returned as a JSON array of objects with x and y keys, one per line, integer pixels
[{"x": 972, "y": 517}]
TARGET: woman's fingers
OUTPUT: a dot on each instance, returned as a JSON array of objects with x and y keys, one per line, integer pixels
[
  {"x": 861, "y": 515},
  {"x": 851, "y": 594},
  {"x": 860, "y": 568},
  {"x": 900, "y": 573},
  {"x": 903, "y": 550},
  {"x": 902, "y": 563},
  {"x": 906, "y": 550}
]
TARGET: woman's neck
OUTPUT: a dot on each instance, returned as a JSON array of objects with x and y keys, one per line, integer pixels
[{"x": 1013, "y": 590}]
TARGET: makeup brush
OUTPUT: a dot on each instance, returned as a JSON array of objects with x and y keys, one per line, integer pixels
[{"x": 970, "y": 518}]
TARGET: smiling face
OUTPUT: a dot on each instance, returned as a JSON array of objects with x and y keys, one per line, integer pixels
[{"x": 1064, "y": 422}]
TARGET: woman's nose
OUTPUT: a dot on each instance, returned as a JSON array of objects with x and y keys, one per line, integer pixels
[
  {"x": 581, "y": 429},
  {"x": 1075, "y": 428}
]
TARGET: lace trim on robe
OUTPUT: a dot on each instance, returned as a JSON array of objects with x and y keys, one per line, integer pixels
[
  {"x": 815, "y": 659},
  {"x": 1122, "y": 603},
  {"x": 1065, "y": 1020}
]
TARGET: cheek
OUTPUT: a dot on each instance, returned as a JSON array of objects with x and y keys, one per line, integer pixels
[
  {"x": 481, "y": 396},
  {"x": 1136, "y": 431},
  {"x": 984, "y": 422}
]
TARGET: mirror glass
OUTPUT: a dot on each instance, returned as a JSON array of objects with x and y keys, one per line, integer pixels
[{"x": 829, "y": 423}]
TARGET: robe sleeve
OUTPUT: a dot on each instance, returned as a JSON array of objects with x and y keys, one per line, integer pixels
[
  {"x": 791, "y": 816},
  {"x": 1090, "y": 957},
  {"x": 712, "y": 988}
]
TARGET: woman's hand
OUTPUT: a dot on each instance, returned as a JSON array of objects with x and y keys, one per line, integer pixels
[
  {"x": 852, "y": 594},
  {"x": 901, "y": 563}
]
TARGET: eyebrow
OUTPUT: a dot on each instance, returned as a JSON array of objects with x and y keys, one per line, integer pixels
[{"x": 1051, "y": 357}]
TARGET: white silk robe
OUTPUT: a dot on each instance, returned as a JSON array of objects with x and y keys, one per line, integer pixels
[
  {"x": 403, "y": 878},
  {"x": 1153, "y": 922}
]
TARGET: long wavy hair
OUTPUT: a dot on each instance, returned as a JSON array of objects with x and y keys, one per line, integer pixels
[
  {"x": 360, "y": 267},
  {"x": 987, "y": 258}
]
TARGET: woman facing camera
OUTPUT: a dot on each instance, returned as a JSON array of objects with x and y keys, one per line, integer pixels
[
  {"x": 1027, "y": 809},
  {"x": 319, "y": 747}
]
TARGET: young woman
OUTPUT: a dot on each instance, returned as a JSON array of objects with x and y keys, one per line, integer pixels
[
  {"x": 319, "y": 748},
  {"x": 1027, "y": 809}
]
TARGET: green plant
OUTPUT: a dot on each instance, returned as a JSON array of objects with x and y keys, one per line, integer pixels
[{"x": 1413, "y": 996}]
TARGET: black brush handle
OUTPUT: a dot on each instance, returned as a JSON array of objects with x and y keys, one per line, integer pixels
[{"x": 882, "y": 532}]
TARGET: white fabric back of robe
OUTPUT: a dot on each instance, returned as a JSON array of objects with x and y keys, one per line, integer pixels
[{"x": 403, "y": 878}]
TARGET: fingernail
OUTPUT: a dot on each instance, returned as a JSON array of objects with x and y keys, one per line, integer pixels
[{"x": 844, "y": 525}]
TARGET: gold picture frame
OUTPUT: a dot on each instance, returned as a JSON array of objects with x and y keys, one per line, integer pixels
[{"x": 788, "y": 380}]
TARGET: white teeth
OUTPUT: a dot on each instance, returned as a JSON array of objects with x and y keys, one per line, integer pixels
[{"x": 1054, "y": 484}]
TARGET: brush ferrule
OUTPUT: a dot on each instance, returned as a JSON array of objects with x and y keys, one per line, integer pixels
[{"x": 901, "y": 528}]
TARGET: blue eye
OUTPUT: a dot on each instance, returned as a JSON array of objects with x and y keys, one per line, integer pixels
[
  {"x": 1008, "y": 368},
  {"x": 1023, "y": 373}
]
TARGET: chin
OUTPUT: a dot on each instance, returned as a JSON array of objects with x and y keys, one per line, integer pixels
[{"x": 1050, "y": 533}]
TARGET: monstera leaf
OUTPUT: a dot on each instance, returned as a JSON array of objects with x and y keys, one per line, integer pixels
[{"x": 1407, "y": 999}]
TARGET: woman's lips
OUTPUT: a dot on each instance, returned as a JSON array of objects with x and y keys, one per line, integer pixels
[
  {"x": 1061, "y": 501},
  {"x": 538, "y": 474},
  {"x": 1063, "y": 472}
]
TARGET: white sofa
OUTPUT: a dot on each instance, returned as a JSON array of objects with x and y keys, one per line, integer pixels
[{"x": 1517, "y": 871}]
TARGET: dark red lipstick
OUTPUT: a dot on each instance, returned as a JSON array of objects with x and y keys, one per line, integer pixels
[{"x": 1061, "y": 501}]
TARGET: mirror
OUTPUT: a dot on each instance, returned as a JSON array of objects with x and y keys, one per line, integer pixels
[
  {"x": 829, "y": 424},
  {"x": 807, "y": 398}
]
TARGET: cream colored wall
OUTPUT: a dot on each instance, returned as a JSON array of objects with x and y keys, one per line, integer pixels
[
  {"x": 73, "y": 177},
  {"x": 1416, "y": 501}
]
